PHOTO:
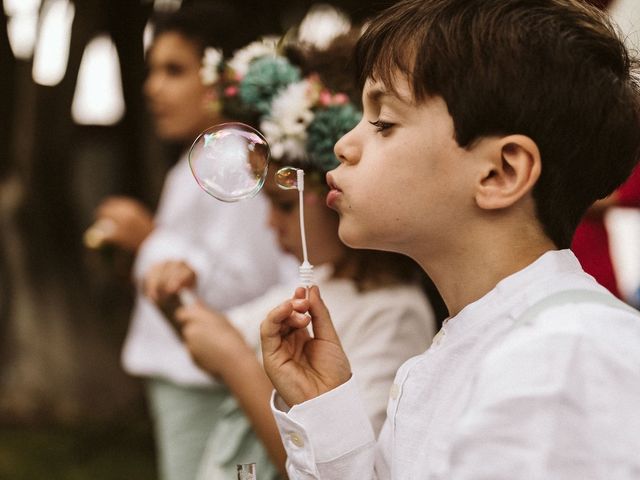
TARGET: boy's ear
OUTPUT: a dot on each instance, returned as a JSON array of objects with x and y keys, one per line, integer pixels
[{"x": 511, "y": 170}]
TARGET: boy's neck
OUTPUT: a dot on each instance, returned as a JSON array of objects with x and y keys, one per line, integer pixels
[{"x": 467, "y": 273}]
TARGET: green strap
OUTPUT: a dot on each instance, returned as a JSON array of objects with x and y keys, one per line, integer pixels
[{"x": 566, "y": 297}]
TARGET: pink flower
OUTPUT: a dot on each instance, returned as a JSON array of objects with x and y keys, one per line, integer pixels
[
  {"x": 340, "y": 99},
  {"x": 325, "y": 98},
  {"x": 231, "y": 91}
]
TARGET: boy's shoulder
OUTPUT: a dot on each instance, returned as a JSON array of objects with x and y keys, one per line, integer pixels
[{"x": 573, "y": 331}]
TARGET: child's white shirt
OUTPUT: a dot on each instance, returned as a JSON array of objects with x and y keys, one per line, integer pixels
[
  {"x": 233, "y": 252},
  {"x": 379, "y": 329},
  {"x": 493, "y": 398}
]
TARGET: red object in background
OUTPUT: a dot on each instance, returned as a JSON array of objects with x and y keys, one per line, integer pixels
[{"x": 591, "y": 241}]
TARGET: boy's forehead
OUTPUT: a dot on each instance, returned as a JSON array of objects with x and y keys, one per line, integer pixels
[{"x": 399, "y": 90}]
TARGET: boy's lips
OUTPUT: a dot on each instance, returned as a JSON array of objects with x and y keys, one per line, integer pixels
[{"x": 334, "y": 192}]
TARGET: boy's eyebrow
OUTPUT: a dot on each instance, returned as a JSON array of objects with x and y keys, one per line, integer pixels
[{"x": 376, "y": 94}]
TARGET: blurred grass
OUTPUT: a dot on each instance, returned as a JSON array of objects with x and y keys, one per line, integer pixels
[{"x": 95, "y": 452}]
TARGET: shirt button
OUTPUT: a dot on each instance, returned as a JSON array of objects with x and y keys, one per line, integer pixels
[
  {"x": 394, "y": 393},
  {"x": 296, "y": 439}
]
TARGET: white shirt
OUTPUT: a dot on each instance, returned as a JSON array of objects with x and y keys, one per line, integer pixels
[
  {"x": 379, "y": 329},
  {"x": 555, "y": 397},
  {"x": 232, "y": 251}
]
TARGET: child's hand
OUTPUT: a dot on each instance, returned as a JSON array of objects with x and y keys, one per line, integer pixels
[
  {"x": 166, "y": 279},
  {"x": 132, "y": 222},
  {"x": 214, "y": 344},
  {"x": 299, "y": 366}
]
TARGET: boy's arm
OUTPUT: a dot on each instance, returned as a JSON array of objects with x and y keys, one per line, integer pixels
[
  {"x": 327, "y": 437},
  {"x": 327, "y": 433}
]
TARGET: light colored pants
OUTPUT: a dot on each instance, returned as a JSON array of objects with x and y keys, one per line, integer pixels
[{"x": 183, "y": 419}]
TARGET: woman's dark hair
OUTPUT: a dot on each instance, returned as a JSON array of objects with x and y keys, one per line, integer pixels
[
  {"x": 209, "y": 24},
  {"x": 553, "y": 70}
]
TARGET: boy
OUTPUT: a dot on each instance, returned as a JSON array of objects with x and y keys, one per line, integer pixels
[{"x": 489, "y": 128}]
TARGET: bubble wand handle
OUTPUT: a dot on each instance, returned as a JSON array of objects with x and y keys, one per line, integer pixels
[{"x": 305, "y": 271}]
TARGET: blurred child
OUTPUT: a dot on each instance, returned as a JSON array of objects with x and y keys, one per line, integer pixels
[
  {"x": 489, "y": 127},
  {"x": 379, "y": 309},
  {"x": 235, "y": 255}
]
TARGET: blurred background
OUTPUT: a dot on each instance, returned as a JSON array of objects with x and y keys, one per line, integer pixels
[{"x": 73, "y": 130}]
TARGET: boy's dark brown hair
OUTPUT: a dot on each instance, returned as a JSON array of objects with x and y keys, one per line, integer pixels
[{"x": 553, "y": 70}]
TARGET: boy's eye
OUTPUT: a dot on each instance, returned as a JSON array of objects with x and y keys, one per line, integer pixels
[{"x": 381, "y": 126}]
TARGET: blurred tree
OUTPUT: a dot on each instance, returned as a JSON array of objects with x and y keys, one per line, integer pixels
[
  {"x": 7, "y": 87},
  {"x": 62, "y": 331},
  {"x": 61, "y": 348}
]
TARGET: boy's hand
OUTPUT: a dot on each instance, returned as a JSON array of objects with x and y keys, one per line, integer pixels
[
  {"x": 214, "y": 344},
  {"x": 132, "y": 222},
  {"x": 299, "y": 366},
  {"x": 165, "y": 280}
]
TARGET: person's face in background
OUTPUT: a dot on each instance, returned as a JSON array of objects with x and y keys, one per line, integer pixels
[
  {"x": 321, "y": 223},
  {"x": 180, "y": 104}
]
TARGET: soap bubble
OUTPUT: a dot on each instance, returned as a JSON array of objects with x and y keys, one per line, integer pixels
[
  {"x": 230, "y": 161},
  {"x": 287, "y": 178}
]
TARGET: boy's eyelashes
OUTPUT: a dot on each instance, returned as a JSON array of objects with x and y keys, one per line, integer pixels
[{"x": 381, "y": 125}]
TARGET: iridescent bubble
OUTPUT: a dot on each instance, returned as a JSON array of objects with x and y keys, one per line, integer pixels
[
  {"x": 287, "y": 178},
  {"x": 230, "y": 161}
]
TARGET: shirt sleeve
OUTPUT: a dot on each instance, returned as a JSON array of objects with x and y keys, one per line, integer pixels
[
  {"x": 553, "y": 404},
  {"x": 234, "y": 260},
  {"x": 328, "y": 437}
]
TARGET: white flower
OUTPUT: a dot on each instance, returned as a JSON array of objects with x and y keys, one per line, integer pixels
[
  {"x": 260, "y": 48},
  {"x": 322, "y": 25},
  {"x": 286, "y": 126},
  {"x": 210, "y": 64}
]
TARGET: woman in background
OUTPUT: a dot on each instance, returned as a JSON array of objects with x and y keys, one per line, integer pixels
[{"x": 229, "y": 246}]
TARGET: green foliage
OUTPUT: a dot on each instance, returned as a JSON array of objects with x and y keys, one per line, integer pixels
[
  {"x": 101, "y": 452},
  {"x": 328, "y": 125},
  {"x": 266, "y": 77}
]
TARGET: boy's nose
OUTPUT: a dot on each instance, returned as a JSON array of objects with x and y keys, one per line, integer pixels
[{"x": 346, "y": 148}]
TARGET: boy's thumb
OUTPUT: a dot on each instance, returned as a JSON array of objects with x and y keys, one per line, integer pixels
[{"x": 320, "y": 318}]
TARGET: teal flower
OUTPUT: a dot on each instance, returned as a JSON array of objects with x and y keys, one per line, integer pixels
[
  {"x": 265, "y": 78},
  {"x": 327, "y": 127}
]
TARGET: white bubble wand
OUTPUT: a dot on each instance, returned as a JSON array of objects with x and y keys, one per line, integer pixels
[{"x": 305, "y": 270}]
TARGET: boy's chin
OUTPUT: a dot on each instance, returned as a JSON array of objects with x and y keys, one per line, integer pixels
[{"x": 353, "y": 237}]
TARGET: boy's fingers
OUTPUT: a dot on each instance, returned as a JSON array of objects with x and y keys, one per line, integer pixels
[
  {"x": 270, "y": 327},
  {"x": 320, "y": 318},
  {"x": 300, "y": 292}
]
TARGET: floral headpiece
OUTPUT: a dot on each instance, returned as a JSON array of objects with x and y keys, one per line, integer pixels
[
  {"x": 211, "y": 62},
  {"x": 300, "y": 118}
]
